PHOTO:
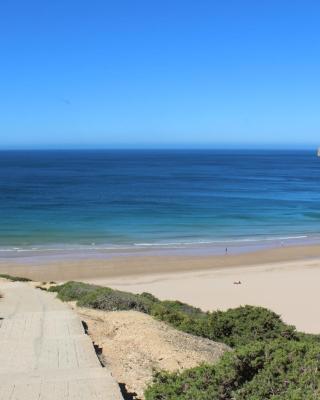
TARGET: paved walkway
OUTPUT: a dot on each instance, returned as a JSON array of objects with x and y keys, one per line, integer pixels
[{"x": 44, "y": 351}]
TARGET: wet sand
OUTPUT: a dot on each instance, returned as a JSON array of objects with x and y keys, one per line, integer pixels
[{"x": 60, "y": 269}]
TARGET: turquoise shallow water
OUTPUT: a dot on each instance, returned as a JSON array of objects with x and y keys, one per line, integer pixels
[{"x": 156, "y": 199}]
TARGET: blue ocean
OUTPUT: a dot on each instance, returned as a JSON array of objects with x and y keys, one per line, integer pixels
[{"x": 140, "y": 198}]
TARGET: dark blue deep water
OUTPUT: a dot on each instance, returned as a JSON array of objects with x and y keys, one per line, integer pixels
[{"x": 125, "y": 198}]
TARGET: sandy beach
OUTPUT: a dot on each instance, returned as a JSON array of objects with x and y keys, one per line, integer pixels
[
  {"x": 285, "y": 280},
  {"x": 289, "y": 288}
]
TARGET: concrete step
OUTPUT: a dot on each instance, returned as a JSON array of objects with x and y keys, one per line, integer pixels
[
  {"x": 68, "y": 389},
  {"x": 44, "y": 351},
  {"x": 49, "y": 324}
]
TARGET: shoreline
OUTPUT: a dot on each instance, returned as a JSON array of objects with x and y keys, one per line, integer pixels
[
  {"x": 206, "y": 247},
  {"x": 62, "y": 269}
]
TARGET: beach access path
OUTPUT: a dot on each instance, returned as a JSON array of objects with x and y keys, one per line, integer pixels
[{"x": 44, "y": 351}]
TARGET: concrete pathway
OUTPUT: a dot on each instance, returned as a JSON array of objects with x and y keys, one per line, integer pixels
[{"x": 44, "y": 351}]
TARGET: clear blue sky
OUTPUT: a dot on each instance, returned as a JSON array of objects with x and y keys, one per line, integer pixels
[{"x": 163, "y": 73}]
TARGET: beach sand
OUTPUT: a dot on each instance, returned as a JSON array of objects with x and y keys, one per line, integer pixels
[
  {"x": 291, "y": 289},
  {"x": 286, "y": 280}
]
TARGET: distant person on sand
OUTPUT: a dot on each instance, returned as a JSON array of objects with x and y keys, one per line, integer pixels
[{"x": 226, "y": 250}]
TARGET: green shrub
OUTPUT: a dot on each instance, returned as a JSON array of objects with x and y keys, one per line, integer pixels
[
  {"x": 115, "y": 301},
  {"x": 271, "y": 369},
  {"x": 242, "y": 325},
  {"x": 308, "y": 337},
  {"x": 270, "y": 361},
  {"x": 234, "y": 327},
  {"x": 71, "y": 291},
  {"x": 178, "y": 306},
  {"x": 103, "y": 298},
  {"x": 149, "y": 297},
  {"x": 14, "y": 278},
  {"x": 177, "y": 319}
]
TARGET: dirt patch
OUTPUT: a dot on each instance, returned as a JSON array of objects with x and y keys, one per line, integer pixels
[{"x": 134, "y": 345}]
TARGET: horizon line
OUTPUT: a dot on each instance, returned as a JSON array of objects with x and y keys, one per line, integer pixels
[{"x": 164, "y": 148}]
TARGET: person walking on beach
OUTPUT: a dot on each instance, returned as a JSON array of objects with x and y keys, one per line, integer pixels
[{"x": 226, "y": 250}]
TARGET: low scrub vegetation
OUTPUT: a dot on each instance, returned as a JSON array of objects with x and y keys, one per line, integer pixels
[
  {"x": 102, "y": 298},
  {"x": 270, "y": 360},
  {"x": 272, "y": 369},
  {"x": 14, "y": 278},
  {"x": 234, "y": 327}
]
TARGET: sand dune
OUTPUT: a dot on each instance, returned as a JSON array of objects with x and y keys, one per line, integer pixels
[{"x": 135, "y": 344}]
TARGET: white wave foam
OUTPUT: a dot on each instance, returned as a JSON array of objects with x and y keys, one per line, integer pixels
[
  {"x": 200, "y": 242},
  {"x": 177, "y": 244}
]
